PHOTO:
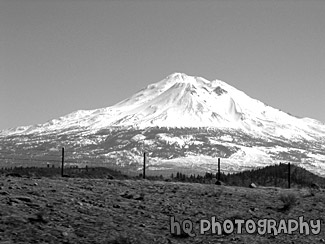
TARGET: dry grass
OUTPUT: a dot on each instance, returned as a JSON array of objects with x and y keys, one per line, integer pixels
[
  {"x": 125, "y": 211},
  {"x": 289, "y": 199}
]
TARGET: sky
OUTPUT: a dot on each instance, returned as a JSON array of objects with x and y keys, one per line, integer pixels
[{"x": 59, "y": 56}]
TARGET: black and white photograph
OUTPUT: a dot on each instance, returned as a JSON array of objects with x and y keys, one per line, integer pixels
[{"x": 162, "y": 121}]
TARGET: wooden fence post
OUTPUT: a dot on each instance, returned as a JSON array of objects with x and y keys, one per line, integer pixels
[
  {"x": 144, "y": 165},
  {"x": 218, "y": 169},
  {"x": 62, "y": 161},
  {"x": 289, "y": 175}
]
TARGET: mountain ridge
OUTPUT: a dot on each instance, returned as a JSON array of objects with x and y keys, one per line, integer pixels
[{"x": 178, "y": 100}]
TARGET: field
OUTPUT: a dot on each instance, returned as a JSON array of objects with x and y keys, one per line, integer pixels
[{"x": 85, "y": 210}]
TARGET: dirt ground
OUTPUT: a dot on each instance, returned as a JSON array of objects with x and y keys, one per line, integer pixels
[{"x": 77, "y": 210}]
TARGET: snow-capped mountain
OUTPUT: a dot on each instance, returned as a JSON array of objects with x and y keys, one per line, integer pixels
[
  {"x": 191, "y": 114},
  {"x": 185, "y": 101}
]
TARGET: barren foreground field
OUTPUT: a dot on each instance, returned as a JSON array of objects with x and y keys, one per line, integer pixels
[{"x": 76, "y": 210}]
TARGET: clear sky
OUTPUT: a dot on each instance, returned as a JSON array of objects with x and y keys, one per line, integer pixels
[{"x": 59, "y": 56}]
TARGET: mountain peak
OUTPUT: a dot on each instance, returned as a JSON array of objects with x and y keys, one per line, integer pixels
[
  {"x": 178, "y": 75},
  {"x": 181, "y": 78},
  {"x": 181, "y": 100}
]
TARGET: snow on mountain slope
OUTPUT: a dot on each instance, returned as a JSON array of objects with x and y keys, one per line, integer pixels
[
  {"x": 181, "y": 121},
  {"x": 182, "y": 101}
]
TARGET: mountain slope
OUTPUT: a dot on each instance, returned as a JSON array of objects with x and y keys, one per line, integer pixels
[{"x": 183, "y": 121}]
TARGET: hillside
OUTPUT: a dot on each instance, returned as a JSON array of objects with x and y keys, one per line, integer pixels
[
  {"x": 276, "y": 175},
  {"x": 269, "y": 176},
  {"x": 76, "y": 210}
]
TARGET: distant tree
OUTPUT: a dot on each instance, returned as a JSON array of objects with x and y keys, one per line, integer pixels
[
  {"x": 183, "y": 177},
  {"x": 191, "y": 178}
]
